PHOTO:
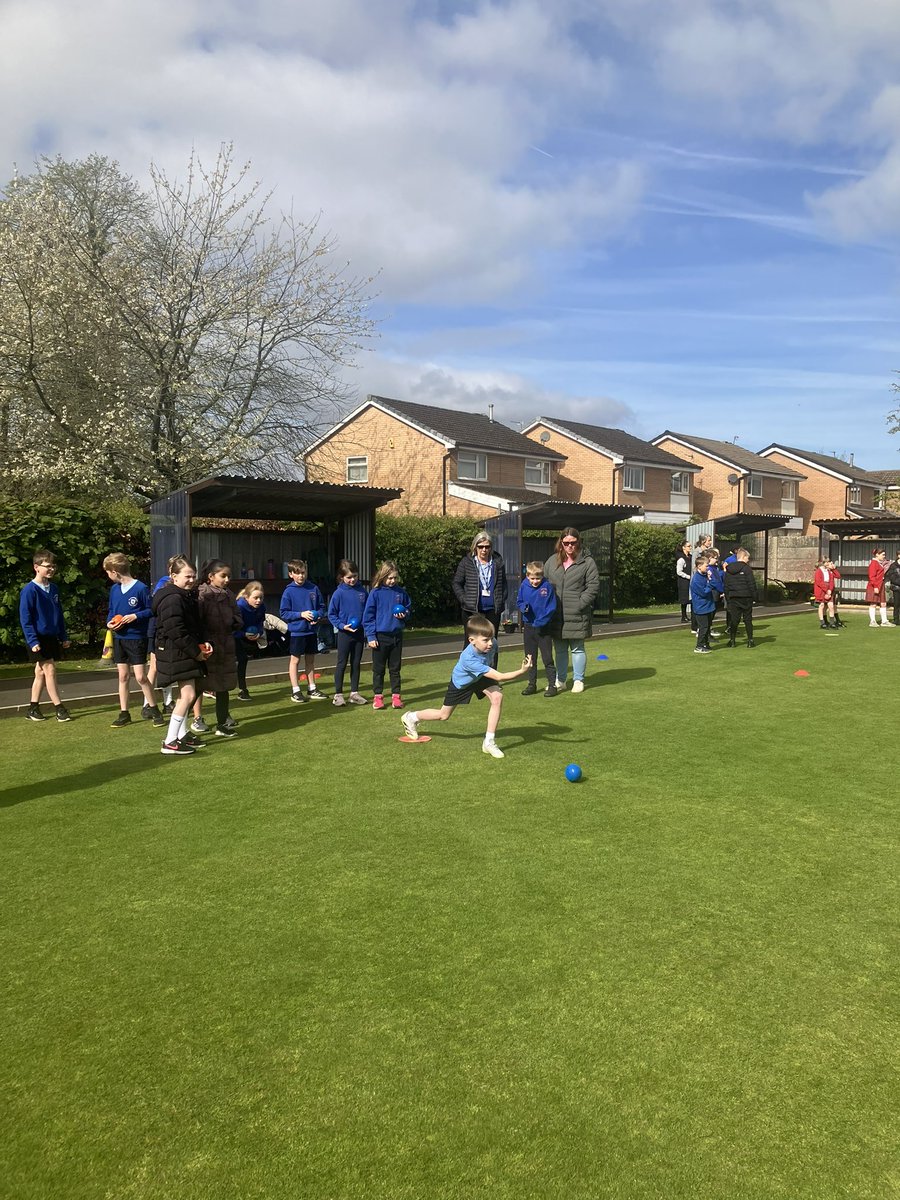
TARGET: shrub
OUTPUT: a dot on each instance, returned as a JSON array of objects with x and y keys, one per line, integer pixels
[
  {"x": 427, "y": 551},
  {"x": 645, "y": 563},
  {"x": 80, "y": 537}
]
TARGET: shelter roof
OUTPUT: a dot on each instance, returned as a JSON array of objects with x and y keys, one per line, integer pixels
[
  {"x": 281, "y": 499},
  {"x": 741, "y": 523},
  {"x": 883, "y": 526}
]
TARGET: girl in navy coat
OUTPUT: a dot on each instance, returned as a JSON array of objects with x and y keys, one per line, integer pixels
[
  {"x": 252, "y": 608},
  {"x": 345, "y": 612},
  {"x": 384, "y": 619}
]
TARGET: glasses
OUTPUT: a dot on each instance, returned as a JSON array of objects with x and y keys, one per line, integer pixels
[
  {"x": 483, "y": 546},
  {"x": 570, "y": 541}
]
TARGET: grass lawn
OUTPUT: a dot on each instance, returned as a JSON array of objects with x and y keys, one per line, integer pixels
[{"x": 316, "y": 963}]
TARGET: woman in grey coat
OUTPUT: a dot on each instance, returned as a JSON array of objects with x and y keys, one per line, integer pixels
[{"x": 576, "y": 579}]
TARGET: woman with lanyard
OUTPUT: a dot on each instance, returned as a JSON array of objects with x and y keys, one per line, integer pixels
[
  {"x": 575, "y": 576},
  {"x": 683, "y": 569},
  {"x": 480, "y": 585}
]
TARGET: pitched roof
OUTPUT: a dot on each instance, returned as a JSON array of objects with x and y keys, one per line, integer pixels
[
  {"x": 732, "y": 455},
  {"x": 830, "y": 463},
  {"x": 619, "y": 443},
  {"x": 891, "y": 477},
  {"x": 475, "y": 430}
]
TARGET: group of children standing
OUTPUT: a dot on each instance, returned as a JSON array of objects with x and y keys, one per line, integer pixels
[{"x": 713, "y": 583}]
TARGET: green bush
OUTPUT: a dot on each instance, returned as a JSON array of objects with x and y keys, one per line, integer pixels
[
  {"x": 427, "y": 551},
  {"x": 80, "y": 537},
  {"x": 645, "y": 564}
]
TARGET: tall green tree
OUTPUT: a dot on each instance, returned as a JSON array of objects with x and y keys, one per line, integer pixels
[{"x": 151, "y": 337}]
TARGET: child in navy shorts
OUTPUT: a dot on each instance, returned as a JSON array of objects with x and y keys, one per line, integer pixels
[
  {"x": 129, "y": 618},
  {"x": 302, "y": 607},
  {"x": 44, "y": 627},
  {"x": 473, "y": 675}
]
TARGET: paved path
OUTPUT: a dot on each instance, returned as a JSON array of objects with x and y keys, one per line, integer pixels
[{"x": 86, "y": 687}]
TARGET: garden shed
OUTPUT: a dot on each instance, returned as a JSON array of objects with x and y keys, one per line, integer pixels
[
  {"x": 850, "y": 542},
  {"x": 243, "y": 522}
]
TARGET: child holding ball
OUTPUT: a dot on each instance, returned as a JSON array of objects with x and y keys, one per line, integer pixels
[
  {"x": 387, "y": 608},
  {"x": 345, "y": 612}
]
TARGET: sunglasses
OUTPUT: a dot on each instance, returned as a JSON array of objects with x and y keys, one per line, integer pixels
[
  {"x": 570, "y": 541},
  {"x": 483, "y": 546}
]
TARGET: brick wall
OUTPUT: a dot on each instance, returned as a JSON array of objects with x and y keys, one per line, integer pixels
[
  {"x": 586, "y": 476},
  {"x": 713, "y": 495}
]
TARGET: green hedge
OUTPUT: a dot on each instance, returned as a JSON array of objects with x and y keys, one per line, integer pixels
[
  {"x": 645, "y": 564},
  {"x": 427, "y": 551},
  {"x": 80, "y": 538}
]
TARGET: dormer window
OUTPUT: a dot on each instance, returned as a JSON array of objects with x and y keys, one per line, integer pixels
[
  {"x": 754, "y": 486},
  {"x": 471, "y": 465},
  {"x": 537, "y": 473},
  {"x": 855, "y": 495},
  {"x": 633, "y": 479}
]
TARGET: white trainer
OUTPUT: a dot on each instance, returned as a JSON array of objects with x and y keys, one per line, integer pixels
[
  {"x": 560, "y": 685},
  {"x": 578, "y": 685},
  {"x": 411, "y": 725},
  {"x": 492, "y": 749}
]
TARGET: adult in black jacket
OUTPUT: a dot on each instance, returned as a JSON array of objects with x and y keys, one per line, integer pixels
[
  {"x": 740, "y": 593},
  {"x": 179, "y": 658},
  {"x": 480, "y": 585},
  {"x": 683, "y": 569},
  {"x": 892, "y": 576}
]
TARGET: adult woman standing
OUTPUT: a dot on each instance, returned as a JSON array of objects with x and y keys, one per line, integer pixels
[
  {"x": 480, "y": 585},
  {"x": 683, "y": 566},
  {"x": 576, "y": 579}
]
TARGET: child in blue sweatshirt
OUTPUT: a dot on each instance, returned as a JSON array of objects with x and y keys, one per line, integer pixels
[
  {"x": 302, "y": 607},
  {"x": 384, "y": 620},
  {"x": 345, "y": 612},
  {"x": 44, "y": 627},
  {"x": 536, "y": 602},
  {"x": 252, "y": 608},
  {"x": 703, "y": 602},
  {"x": 129, "y": 619}
]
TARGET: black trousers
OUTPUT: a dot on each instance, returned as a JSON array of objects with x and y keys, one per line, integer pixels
[
  {"x": 538, "y": 640},
  {"x": 493, "y": 615},
  {"x": 740, "y": 607},
  {"x": 349, "y": 650},
  {"x": 243, "y": 653},
  {"x": 703, "y": 623},
  {"x": 387, "y": 653}
]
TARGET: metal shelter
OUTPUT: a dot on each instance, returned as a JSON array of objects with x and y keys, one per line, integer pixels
[
  {"x": 738, "y": 525},
  {"x": 553, "y": 515},
  {"x": 346, "y": 511},
  {"x": 850, "y": 541}
]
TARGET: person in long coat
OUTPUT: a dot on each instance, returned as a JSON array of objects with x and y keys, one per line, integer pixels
[
  {"x": 576, "y": 579},
  {"x": 683, "y": 569},
  {"x": 480, "y": 585}
]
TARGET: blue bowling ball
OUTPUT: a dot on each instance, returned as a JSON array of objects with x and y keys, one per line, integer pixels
[
  {"x": 573, "y": 773},
  {"x": 399, "y": 611}
]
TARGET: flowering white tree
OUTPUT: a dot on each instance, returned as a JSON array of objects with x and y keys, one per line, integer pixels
[{"x": 151, "y": 338}]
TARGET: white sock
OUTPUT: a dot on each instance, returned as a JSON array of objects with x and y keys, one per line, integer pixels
[
  {"x": 488, "y": 738},
  {"x": 884, "y": 620},
  {"x": 176, "y": 728},
  {"x": 167, "y": 695}
]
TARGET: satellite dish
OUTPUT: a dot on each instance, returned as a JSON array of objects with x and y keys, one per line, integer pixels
[
  {"x": 733, "y": 479},
  {"x": 545, "y": 436}
]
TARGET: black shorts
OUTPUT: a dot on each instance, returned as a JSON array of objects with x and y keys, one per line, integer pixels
[
  {"x": 456, "y": 696},
  {"x": 50, "y": 648},
  {"x": 130, "y": 650},
  {"x": 302, "y": 644}
]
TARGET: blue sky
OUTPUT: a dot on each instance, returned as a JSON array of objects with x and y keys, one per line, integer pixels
[{"x": 632, "y": 212}]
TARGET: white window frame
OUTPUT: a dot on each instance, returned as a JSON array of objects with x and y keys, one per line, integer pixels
[
  {"x": 789, "y": 489},
  {"x": 855, "y": 494},
  {"x": 542, "y": 467},
  {"x": 680, "y": 478},
  {"x": 358, "y": 468},
  {"x": 632, "y": 479},
  {"x": 475, "y": 465},
  {"x": 754, "y": 487}
]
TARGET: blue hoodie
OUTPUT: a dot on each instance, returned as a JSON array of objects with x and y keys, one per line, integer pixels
[
  {"x": 536, "y": 604},
  {"x": 297, "y": 598},
  {"x": 347, "y": 602},
  {"x": 379, "y": 615},
  {"x": 703, "y": 597},
  {"x": 253, "y": 618}
]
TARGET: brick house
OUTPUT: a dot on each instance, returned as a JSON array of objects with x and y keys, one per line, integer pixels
[
  {"x": 447, "y": 462},
  {"x": 831, "y": 488},
  {"x": 610, "y": 466},
  {"x": 735, "y": 480}
]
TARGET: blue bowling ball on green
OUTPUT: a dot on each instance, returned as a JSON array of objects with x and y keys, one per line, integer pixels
[{"x": 573, "y": 773}]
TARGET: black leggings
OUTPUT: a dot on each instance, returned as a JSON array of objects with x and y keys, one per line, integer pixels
[
  {"x": 387, "y": 653},
  {"x": 222, "y": 711},
  {"x": 244, "y": 652},
  {"x": 349, "y": 649}
]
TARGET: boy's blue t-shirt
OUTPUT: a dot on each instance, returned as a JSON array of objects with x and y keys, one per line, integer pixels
[{"x": 471, "y": 666}]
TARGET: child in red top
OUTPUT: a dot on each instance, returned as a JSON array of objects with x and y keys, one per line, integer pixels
[
  {"x": 823, "y": 592},
  {"x": 875, "y": 592}
]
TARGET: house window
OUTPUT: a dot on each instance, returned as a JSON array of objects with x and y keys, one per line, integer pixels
[
  {"x": 471, "y": 465},
  {"x": 856, "y": 495},
  {"x": 358, "y": 469},
  {"x": 681, "y": 482},
  {"x": 754, "y": 486},
  {"x": 537, "y": 473},
  {"x": 788, "y": 489},
  {"x": 633, "y": 479}
]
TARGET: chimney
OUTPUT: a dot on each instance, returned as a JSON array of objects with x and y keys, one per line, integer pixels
[
  {"x": 491, "y": 413},
  {"x": 851, "y": 460}
]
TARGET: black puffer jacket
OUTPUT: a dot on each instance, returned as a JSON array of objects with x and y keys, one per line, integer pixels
[
  {"x": 178, "y": 635},
  {"x": 740, "y": 582},
  {"x": 467, "y": 589}
]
